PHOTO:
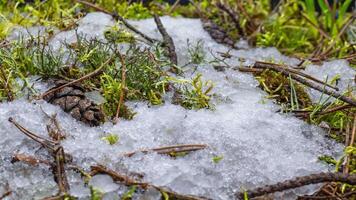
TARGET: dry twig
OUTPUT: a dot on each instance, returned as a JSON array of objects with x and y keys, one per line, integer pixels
[
  {"x": 233, "y": 16},
  {"x": 298, "y": 182},
  {"x": 91, "y": 74},
  {"x": 123, "y": 87},
  {"x": 306, "y": 82},
  {"x": 118, "y": 17},
  {"x": 100, "y": 169},
  {"x": 171, "y": 149},
  {"x": 167, "y": 40},
  {"x": 58, "y": 155}
]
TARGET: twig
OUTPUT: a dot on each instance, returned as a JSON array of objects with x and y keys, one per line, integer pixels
[
  {"x": 123, "y": 86},
  {"x": 298, "y": 182},
  {"x": 171, "y": 149},
  {"x": 290, "y": 69},
  {"x": 7, "y": 191},
  {"x": 58, "y": 155},
  {"x": 305, "y": 113},
  {"x": 233, "y": 16},
  {"x": 93, "y": 73},
  {"x": 31, "y": 160},
  {"x": 43, "y": 141},
  {"x": 307, "y": 82},
  {"x": 167, "y": 40},
  {"x": 118, "y": 17},
  {"x": 100, "y": 169}
]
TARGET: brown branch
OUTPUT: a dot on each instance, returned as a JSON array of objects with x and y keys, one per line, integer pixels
[
  {"x": 58, "y": 155},
  {"x": 43, "y": 141},
  {"x": 298, "y": 182},
  {"x": 167, "y": 40},
  {"x": 123, "y": 87},
  {"x": 93, "y": 73},
  {"x": 307, "y": 82},
  {"x": 100, "y": 169},
  {"x": 7, "y": 191},
  {"x": 233, "y": 16},
  {"x": 171, "y": 149},
  {"x": 118, "y": 17},
  {"x": 59, "y": 171},
  {"x": 31, "y": 160},
  {"x": 290, "y": 69}
]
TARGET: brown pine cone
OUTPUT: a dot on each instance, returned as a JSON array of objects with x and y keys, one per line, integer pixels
[
  {"x": 217, "y": 33},
  {"x": 73, "y": 101}
]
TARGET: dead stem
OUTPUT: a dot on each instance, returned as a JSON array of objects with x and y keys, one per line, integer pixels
[
  {"x": 168, "y": 43},
  {"x": 118, "y": 17},
  {"x": 123, "y": 88},
  {"x": 57, "y": 151},
  {"x": 91, "y": 74},
  {"x": 290, "y": 69},
  {"x": 31, "y": 160},
  {"x": 100, "y": 169},
  {"x": 234, "y": 16},
  {"x": 43, "y": 141},
  {"x": 170, "y": 149},
  {"x": 7, "y": 192},
  {"x": 298, "y": 182},
  {"x": 306, "y": 82}
]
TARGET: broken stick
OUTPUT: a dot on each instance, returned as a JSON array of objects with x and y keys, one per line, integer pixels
[
  {"x": 298, "y": 182},
  {"x": 118, "y": 17},
  {"x": 93, "y": 73},
  {"x": 171, "y": 149},
  {"x": 58, "y": 155},
  {"x": 167, "y": 41},
  {"x": 100, "y": 169},
  {"x": 306, "y": 82}
]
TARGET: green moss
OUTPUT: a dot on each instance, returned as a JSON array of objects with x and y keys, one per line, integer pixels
[{"x": 283, "y": 90}]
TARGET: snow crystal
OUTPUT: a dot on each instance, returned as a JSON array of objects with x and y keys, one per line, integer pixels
[{"x": 257, "y": 144}]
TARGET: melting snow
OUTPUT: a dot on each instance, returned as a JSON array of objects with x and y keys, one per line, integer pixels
[{"x": 259, "y": 146}]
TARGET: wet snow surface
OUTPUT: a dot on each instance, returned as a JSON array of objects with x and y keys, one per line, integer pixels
[{"x": 259, "y": 145}]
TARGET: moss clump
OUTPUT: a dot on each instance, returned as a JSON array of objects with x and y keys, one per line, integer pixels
[{"x": 285, "y": 91}]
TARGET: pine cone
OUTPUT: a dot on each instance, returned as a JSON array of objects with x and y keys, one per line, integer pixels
[
  {"x": 217, "y": 33},
  {"x": 73, "y": 101}
]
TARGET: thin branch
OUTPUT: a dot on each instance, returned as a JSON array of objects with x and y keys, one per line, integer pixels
[
  {"x": 123, "y": 87},
  {"x": 7, "y": 191},
  {"x": 289, "y": 69},
  {"x": 120, "y": 18},
  {"x": 93, "y": 73},
  {"x": 43, "y": 141},
  {"x": 171, "y": 149},
  {"x": 167, "y": 40},
  {"x": 31, "y": 160},
  {"x": 100, "y": 169},
  {"x": 233, "y": 16},
  {"x": 306, "y": 82},
  {"x": 298, "y": 182}
]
